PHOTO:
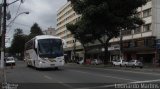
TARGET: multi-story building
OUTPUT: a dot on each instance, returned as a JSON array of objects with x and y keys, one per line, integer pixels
[
  {"x": 138, "y": 43},
  {"x": 50, "y": 31},
  {"x": 66, "y": 15}
]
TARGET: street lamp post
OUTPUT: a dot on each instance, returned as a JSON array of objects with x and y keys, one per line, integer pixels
[
  {"x": 17, "y": 16},
  {"x": 5, "y": 4},
  {"x": 3, "y": 36}
]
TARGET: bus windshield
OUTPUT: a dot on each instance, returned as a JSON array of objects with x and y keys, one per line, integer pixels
[{"x": 50, "y": 48}]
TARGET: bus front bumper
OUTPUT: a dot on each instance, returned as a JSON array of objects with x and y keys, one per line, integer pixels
[{"x": 50, "y": 65}]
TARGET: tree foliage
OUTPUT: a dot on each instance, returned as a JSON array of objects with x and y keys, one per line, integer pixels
[
  {"x": 109, "y": 15},
  {"x": 18, "y": 42},
  {"x": 106, "y": 17},
  {"x": 35, "y": 31},
  {"x": 19, "y": 39},
  {"x": 83, "y": 36}
]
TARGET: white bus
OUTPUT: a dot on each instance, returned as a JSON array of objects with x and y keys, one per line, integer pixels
[{"x": 44, "y": 51}]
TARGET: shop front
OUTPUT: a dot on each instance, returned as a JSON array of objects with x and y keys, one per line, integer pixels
[{"x": 142, "y": 49}]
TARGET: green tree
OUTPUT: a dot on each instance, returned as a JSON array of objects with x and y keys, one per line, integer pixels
[
  {"x": 83, "y": 36},
  {"x": 107, "y": 17},
  {"x": 18, "y": 43},
  {"x": 35, "y": 30}
]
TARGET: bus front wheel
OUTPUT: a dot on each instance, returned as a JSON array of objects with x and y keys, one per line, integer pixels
[{"x": 56, "y": 68}]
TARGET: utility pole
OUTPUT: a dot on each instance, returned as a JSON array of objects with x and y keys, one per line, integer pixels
[
  {"x": 4, "y": 83},
  {"x": 0, "y": 19},
  {"x": 3, "y": 34}
]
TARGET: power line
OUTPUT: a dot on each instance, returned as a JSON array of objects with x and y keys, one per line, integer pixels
[
  {"x": 22, "y": 24},
  {"x": 17, "y": 24},
  {"x": 18, "y": 9}
]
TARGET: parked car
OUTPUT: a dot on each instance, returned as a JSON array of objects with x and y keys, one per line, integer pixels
[
  {"x": 10, "y": 61},
  {"x": 135, "y": 63},
  {"x": 119, "y": 63},
  {"x": 80, "y": 62},
  {"x": 96, "y": 62}
]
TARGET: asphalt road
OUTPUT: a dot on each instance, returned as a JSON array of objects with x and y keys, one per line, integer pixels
[{"x": 77, "y": 77}]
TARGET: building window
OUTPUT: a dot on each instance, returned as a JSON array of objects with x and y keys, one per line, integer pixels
[
  {"x": 150, "y": 42},
  {"x": 138, "y": 14},
  {"x": 137, "y": 30},
  {"x": 140, "y": 43},
  {"x": 147, "y": 13},
  {"x": 126, "y": 32},
  {"x": 146, "y": 27},
  {"x": 125, "y": 44}
]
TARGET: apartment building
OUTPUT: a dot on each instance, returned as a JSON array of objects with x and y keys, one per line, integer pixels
[
  {"x": 137, "y": 44},
  {"x": 140, "y": 43},
  {"x": 50, "y": 31},
  {"x": 67, "y": 15}
]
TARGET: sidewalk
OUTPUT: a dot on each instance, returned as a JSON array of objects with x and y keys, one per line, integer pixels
[{"x": 145, "y": 69}]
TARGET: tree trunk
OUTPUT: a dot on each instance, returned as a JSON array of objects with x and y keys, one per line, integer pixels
[
  {"x": 106, "y": 53},
  {"x": 84, "y": 53}
]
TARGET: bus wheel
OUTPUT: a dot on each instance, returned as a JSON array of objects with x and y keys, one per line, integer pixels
[
  {"x": 56, "y": 68},
  {"x": 27, "y": 64},
  {"x": 37, "y": 68}
]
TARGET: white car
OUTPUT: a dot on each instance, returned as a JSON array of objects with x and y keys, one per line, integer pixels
[
  {"x": 10, "y": 61},
  {"x": 120, "y": 63},
  {"x": 80, "y": 62},
  {"x": 96, "y": 62},
  {"x": 135, "y": 63}
]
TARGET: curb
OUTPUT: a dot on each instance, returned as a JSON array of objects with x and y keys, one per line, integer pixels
[{"x": 157, "y": 69}]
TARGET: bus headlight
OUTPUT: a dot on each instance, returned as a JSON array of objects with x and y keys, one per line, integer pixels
[
  {"x": 42, "y": 62},
  {"x": 45, "y": 58}
]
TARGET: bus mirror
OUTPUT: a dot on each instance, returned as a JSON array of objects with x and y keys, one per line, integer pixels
[{"x": 35, "y": 46}]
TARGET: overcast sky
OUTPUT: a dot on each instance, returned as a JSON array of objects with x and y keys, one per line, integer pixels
[{"x": 41, "y": 11}]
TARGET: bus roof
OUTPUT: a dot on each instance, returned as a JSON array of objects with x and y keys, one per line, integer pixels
[{"x": 46, "y": 37}]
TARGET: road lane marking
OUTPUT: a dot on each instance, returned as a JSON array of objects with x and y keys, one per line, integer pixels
[
  {"x": 147, "y": 81},
  {"x": 105, "y": 76},
  {"x": 104, "y": 86},
  {"x": 66, "y": 85},
  {"x": 47, "y": 77},
  {"x": 113, "y": 85},
  {"x": 129, "y": 71}
]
